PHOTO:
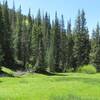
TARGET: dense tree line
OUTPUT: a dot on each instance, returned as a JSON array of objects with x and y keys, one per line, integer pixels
[{"x": 43, "y": 45}]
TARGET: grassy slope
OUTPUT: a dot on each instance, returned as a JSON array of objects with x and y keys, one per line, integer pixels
[{"x": 40, "y": 87}]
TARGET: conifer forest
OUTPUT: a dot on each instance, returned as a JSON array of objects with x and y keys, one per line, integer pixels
[
  {"x": 43, "y": 44},
  {"x": 37, "y": 47}
]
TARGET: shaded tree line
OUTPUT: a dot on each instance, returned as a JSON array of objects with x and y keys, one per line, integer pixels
[{"x": 27, "y": 41}]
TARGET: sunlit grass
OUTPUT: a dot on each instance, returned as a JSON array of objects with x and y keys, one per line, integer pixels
[{"x": 71, "y": 86}]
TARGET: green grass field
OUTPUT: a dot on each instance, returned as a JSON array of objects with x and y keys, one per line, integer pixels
[{"x": 70, "y": 86}]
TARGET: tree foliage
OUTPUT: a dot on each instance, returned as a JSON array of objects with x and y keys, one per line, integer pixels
[{"x": 27, "y": 40}]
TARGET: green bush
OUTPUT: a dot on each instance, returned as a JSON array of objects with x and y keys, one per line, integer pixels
[
  {"x": 88, "y": 69},
  {"x": 70, "y": 70}
]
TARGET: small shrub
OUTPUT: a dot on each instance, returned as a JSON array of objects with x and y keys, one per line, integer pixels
[
  {"x": 89, "y": 69},
  {"x": 70, "y": 70},
  {"x": 29, "y": 67}
]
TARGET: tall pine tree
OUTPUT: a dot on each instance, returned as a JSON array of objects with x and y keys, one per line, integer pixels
[
  {"x": 69, "y": 44},
  {"x": 57, "y": 44},
  {"x": 81, "y": 40},
  {"x": 29, "y": 31},
  {"x": 38, "y": 47},
  {"x": 1, "y": 35},
  {"x": 95, "y": 48},
  {"x": 7, "y": 42},
  {"x": 19, "y": 35},
  {"x": 63, "y": 46}
]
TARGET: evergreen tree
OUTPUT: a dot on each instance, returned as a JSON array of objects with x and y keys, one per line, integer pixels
[
  {"x": 86, "y": 42},
  {"x": 24, "y": 44},
  {"x": 13, "y": 27},
  {"x": 46, "y": 27},
  {"x": 95, "y": 48},
  {"x": 47, "y": 31},
  {"x": 35, "y": 44},
  {"x": 81, "y": 40},
  {"x": 51, "y": 53},
  {"x": 40, "y": 64},
  {"x": 1, "y": 35},
  {"x": 13, "y": 20},
  {"x": 57, "y": 44},
  {"x": 63, "y": 45},
  {"x": 70, "y": 43},
  {"x": 38, "y": 47},
  {"x": 7, "y": 45},
  {"x": 30, "y": 25},
  {"x": 19, "y": 35}
]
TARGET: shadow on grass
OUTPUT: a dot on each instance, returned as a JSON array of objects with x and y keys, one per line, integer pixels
[
  {"x": 45, "y": 73},
  {"x": 49, "y": 73},
  {"x": 1, "y": 81}
]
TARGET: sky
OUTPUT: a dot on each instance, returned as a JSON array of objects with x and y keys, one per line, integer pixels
[{"x": 69, "y": 8}]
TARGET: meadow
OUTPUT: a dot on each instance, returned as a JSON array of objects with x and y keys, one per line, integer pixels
[{"x": 65, "y": 86}]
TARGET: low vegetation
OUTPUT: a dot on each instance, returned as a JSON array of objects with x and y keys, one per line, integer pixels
[
  {"x": 88, "y": 69},
  {"x": 70, "y": 86}
]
